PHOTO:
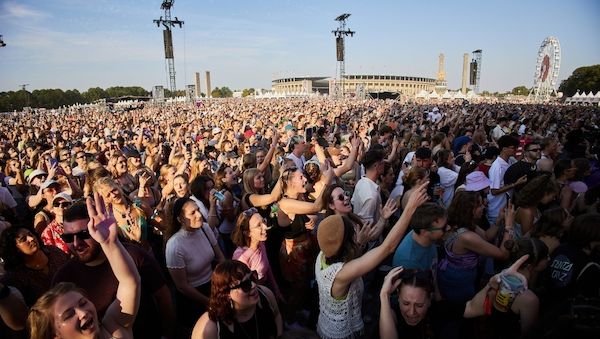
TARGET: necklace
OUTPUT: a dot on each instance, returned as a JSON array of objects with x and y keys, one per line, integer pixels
[
  {"x": 126, "y": 216},
  {"x": 255, "y": 326}
]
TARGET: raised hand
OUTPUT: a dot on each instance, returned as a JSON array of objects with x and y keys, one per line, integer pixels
[
  {"x": 521, "y": 180},
  {"x": 327, "y": 172},
  {"x": 364, "y": 233},
  {"x": 391, "y": 281},
  {"x": 102, "y": 225},
  {"x": 512, "y": 270},
  {"x": 275, "y": 137},
  {"x": 418, "y": 197},
  {"x": 509, "y": 214},
  {"x": 389, "y": 208},
  {"x": 143, "y": 179}
]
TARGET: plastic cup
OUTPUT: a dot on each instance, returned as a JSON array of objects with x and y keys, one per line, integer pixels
[{"x": 510, "y": 287}]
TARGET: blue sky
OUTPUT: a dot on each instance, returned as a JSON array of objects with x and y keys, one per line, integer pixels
[{"x": 80, "y": 44}]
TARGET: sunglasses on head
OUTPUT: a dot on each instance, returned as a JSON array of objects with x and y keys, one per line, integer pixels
[
  {"x": 246, "y": 283},
  {"x": 70, "y": 237},
  {"x": 250, "y": 212},
  {"x": 62, "y": 204}
]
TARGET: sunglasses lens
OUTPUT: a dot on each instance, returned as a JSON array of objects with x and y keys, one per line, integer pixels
[
  {"x": 69, "y": 238},
  {"x": 246, "y": 285}
]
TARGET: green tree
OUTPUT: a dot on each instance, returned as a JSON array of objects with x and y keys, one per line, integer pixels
[
  {"x": 247, "y": 91},
  {"x": 584, "y": 79},
  {"x": 226, "y": 92},
  {"x": 520, "y": 90},
  {"x": 216, "y": 93},
  {"x": 94, "y": 93}
]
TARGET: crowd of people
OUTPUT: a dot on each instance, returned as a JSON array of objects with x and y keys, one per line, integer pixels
[{"x": 244, "y": 218}]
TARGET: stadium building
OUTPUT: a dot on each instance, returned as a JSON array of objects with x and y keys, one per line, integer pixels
[{"x": 356, "y": 84}]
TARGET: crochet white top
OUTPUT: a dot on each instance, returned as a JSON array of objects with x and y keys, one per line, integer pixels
[{"x": 338, "y": 318}]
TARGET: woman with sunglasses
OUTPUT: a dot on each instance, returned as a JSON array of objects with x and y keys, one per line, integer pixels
[
  {"x": 29, "y": 265},
  {"x": 337, "y": 201},
  {"x": 190, "y": 251},
  {"x": 340, "y": 266},
  {"x": 239, "y": 307},
  {"x": 250, "y": 235}
]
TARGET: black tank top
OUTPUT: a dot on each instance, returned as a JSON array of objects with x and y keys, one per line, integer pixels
[{"x": 261, "y": 325}]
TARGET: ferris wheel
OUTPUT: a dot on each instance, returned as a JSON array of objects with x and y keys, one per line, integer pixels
[{"x": 546, "y": 70}]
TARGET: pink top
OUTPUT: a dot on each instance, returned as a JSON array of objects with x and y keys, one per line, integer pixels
[{"x": 257, "y": 261}]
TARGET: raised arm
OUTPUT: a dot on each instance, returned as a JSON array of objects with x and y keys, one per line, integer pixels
[
  {"x": 348, "y": 164},
  {"x": 387, "y": 318},
  {"x": 259, "y": 200},
  {"x": 361, "y": 265},
  {"x": 269, "y": 156},
  {"x": 103, "y": 228},
  {"x": 477, "y": 305}
]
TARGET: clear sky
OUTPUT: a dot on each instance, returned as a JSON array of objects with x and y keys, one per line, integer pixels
[{"x": 80, "y": 43}]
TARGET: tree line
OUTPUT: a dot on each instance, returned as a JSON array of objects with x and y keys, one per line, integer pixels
[{"x": 54, "y": 98}]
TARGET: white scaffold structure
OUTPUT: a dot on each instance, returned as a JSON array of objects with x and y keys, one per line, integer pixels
[{"x": 546, "y": 71}]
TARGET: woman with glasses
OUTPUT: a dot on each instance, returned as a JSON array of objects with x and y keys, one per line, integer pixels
[
  {"x": 256, "y": 196},
  {"x": 340, "y": 266},
  {"x": 29, "y": 265},
  {"x": 190, "y": 251},
  {"x": 51, "y": 235},
  {"x": 466, "y": 242},
  {"x": 239, "y": 307},
  {"x": 250, "y": 236}
]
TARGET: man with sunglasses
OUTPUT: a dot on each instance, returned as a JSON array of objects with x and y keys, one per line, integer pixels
[
  {"x": 89, "y": 269},
  {"x": 417, "y": 250},
  {"x": 526, "y": 166}
]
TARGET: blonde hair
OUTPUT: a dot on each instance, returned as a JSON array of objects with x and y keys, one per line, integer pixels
[{"x": 41, "y": 319}]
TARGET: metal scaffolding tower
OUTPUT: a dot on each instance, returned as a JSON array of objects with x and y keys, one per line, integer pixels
[
  {"x": 168, "y": 40},
  {"x": 340, "y": 34}
]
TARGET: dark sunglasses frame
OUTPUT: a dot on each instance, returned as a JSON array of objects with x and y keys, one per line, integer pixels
[
  {"x": 63, "y": 204},
  {"x": 70, "y": 237},
  {"x": 343, "y": 196},
  {"x": 246, "y": 284}
]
